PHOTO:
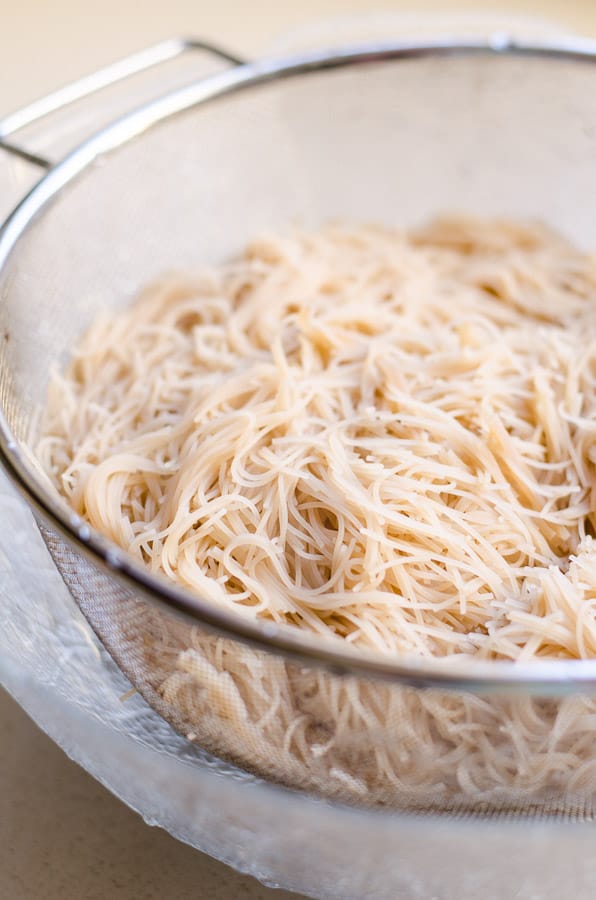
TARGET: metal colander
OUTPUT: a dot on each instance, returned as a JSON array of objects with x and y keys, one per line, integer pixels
[{"x": 392, "y": 134}]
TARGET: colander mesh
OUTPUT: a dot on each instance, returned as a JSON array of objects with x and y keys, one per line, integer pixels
[
  {"x": 146, "y": 643},
  {"x": 396, "y": 142}
]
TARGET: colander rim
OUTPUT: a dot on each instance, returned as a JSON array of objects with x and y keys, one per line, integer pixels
[{"x": 537, "y": 677}]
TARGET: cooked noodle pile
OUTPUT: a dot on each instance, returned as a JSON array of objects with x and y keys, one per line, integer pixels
[{"x": 378, "y": 436}]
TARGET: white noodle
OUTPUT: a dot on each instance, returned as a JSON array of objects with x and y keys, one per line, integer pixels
[{"x": 378, "y": 436}]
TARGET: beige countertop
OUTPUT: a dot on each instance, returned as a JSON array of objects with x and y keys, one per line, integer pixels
[{"x": 62, "y": 835}]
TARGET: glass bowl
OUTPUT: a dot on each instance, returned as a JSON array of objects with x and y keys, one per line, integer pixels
[{"x": 393, "y": 133}]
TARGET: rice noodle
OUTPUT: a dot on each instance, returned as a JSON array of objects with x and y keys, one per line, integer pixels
[{"x": 383, "y": 437}]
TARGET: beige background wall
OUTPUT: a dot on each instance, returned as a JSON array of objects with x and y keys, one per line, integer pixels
[
  {"x": 61, "y": 834},
  {"x": 44, "y": 43}
]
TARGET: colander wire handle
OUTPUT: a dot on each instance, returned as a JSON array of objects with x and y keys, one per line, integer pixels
[{"x": 84, "y": 87}]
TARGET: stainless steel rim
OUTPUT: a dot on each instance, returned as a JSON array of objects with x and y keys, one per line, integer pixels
[{"x": 549, "y": 677}]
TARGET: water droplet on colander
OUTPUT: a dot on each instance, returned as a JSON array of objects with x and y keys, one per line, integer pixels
[
  {"x": 114, "y": 558},
  {"x": 84, "y": 532},
  {"x": 499, "y": 41}
]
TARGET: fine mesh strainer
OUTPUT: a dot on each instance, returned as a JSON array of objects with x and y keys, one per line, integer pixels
[{"x": 391, "y": 134}]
